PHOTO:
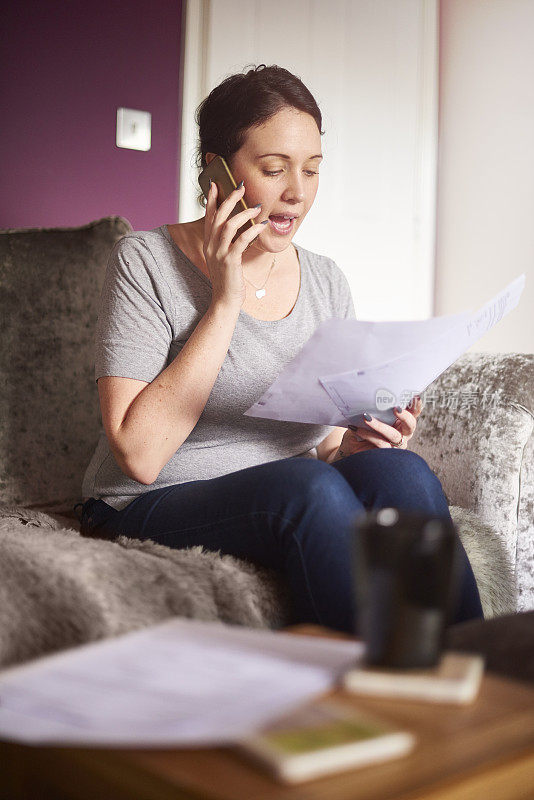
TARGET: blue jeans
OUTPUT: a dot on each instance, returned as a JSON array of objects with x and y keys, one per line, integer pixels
[{"x": 294, "y": 515}]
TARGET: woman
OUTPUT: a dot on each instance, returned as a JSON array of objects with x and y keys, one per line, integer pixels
[{"x": 193, "y": 329}]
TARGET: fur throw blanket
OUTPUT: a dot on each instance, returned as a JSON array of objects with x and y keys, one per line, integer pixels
[{"x": 59, "y": 589}]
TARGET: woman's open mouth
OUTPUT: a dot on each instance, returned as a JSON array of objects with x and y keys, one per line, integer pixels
[{"x": 280, "y": 225}]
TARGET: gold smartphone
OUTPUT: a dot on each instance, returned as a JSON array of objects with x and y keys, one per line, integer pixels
[{"x": 219, "y": 171}]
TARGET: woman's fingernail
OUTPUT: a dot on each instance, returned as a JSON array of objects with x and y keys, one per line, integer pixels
[
  {"x": 367, "y": 416},
  {"x": 398, "y": 409},
  {"x": 210, "y": 184},
  {"x": 240, "y": 185}
]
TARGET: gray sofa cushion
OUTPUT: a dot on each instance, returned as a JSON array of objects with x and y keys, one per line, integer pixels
[{"x": 50, "y": 282}]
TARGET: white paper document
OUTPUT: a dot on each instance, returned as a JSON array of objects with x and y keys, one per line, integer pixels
[
  {"x": 180, "y": 683},
  {"x": 349, "y": 366}
]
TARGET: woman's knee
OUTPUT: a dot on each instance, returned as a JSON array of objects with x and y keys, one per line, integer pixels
[
  {"x": 316, "y": 481},
  {"x": 373, "y": 465},
  {"x": 400, "y": 478},
  {"x": 415, "y": 473},
  {"x": 314, "y": 493},
  {"x": 406, "y": 462}
]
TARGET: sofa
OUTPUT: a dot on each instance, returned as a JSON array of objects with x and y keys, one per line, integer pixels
[{"x": 59, "y": 589}]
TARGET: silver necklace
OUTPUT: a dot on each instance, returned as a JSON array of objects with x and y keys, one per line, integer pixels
[{"x": 260, "y": 291}]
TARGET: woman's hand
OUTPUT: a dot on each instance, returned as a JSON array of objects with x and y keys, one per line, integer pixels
[
  {"x": 380, "y": 434},
  {"x": 223, "y": 258}
]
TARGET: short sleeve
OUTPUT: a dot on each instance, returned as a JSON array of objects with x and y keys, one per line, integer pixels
[
  {"x": 345, "y": 304},
  {"x": 134, "y": 331}
]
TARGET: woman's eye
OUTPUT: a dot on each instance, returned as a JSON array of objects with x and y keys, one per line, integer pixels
[{"x": 308, "y": 171}]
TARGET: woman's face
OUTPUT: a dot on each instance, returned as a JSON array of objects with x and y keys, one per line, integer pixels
[{"x": 284, "y": 183}]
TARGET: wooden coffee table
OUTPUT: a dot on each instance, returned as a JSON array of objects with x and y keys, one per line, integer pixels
[{"x": 485, "y": 750}]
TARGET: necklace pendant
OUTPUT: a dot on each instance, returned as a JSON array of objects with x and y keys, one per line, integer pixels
[{"x": 260, "y": 293}]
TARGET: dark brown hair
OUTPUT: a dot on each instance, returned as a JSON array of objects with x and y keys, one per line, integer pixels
[{"x": 243, "y": 100}]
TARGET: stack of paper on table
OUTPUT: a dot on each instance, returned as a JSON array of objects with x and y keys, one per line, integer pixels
[{"x": 181, "y": 683}]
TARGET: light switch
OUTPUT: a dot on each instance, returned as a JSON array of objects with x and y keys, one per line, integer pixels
[{"x": 133, "y": 128}]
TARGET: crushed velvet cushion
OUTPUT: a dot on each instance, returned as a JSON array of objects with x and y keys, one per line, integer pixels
[
  {"x": 475, "y": 432},
  {"x": 50, "y": 282}
]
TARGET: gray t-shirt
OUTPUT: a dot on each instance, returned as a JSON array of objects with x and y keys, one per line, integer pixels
[{"x": 152, "y": 299}]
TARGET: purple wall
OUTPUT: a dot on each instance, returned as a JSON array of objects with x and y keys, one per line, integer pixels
[{"x": 70, "y": 65}]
